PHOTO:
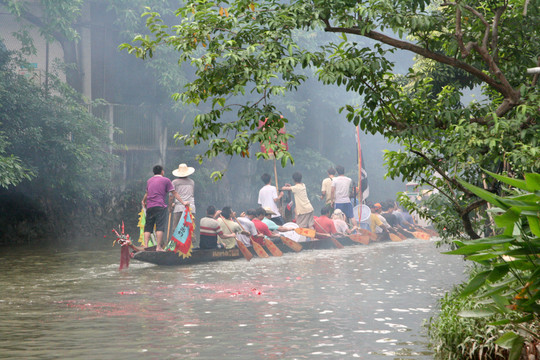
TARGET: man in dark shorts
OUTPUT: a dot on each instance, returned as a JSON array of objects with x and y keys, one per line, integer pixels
[{"x": 157, "y": 189}]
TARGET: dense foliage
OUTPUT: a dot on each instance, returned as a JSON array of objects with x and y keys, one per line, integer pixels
[
  {"x": 257, "y": 47},
  {"x": 56, "y": 151},
  {"x": 509, "y": 281}
]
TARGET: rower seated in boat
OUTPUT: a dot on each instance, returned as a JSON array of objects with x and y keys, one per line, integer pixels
[
  {"x": 272, "y": 226},
  {"x": 324, "y": 226},
  {"x": 229, "y": 229},
  {"x": 210, "y": 229}
]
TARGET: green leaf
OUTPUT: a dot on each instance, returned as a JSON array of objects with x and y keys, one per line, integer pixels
[
  {"x": 520, "y": 184},
  {"x": 483, "y": 194},
  {"x": 533, "y": 182},
  {"x": 513, "y": 342},
  {"x": 475, "y": 283},
  {"x": 476, "y": 313},
  {"x": 508, "y": 219},
  {"x": 534, "y": 224},
  {"x": 468, "y": 249}
]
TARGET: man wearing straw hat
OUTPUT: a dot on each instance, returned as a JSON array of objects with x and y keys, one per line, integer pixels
[
  {"x": 185, "y": 187},
  {"x": 157, "y": 187}
]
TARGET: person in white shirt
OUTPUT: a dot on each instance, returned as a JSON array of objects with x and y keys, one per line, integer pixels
[
  {"x": 244, "y": 220},
  {"x": 268, "y": 197},
  {"x": 341, "y": 186}
]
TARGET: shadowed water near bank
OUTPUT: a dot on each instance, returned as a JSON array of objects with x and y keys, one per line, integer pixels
[{"x": 360, "y": 302}]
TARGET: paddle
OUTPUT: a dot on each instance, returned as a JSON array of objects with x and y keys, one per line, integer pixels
[
  {"x": 168, "y": 227},
  {"x": 269, "y": 244},
  {"x": 334, "y": 240},
  {"x": 311, "y": 233},
  {"x": 259, "y": 249},
  {"x": 393, "y": 235},
  {"x": 421, "y": 235},
  {"x": 243, "y": 248},
  {"x": 359, "y": 238},
  {"x": 372, "y": 235},
  {"x": 291, "y": 243}
]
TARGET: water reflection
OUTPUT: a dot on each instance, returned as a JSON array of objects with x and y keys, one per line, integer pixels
[{"x": 362, "y": 302}]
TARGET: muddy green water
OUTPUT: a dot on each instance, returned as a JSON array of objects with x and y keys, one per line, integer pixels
[{"x": 367, "y": 302}]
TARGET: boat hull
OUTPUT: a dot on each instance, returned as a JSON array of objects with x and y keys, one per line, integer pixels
[{"x": 169, "y": 258}]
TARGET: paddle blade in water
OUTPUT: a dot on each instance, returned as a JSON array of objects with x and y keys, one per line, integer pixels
[
  {"x": 337, "y": 243},
  {"x": 244, "y": 250},
  {"x": 421, "y": 235},
  {"x": 372, "y": 236},
  {"x": 259, "y": 250},
  {"x": 272, "y": 247},
  {"x": 394, "y": 237},
  {"x": 362, "y": 239},
  {"x": 291, "y": 244}
]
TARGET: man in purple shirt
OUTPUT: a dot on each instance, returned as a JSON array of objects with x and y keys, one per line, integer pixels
[{"x": 157, "y": 189}]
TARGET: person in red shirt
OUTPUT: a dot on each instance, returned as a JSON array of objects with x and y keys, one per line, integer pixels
[
  {"x": 261, "y": 227},
  {"x": 323, "y": 224}
]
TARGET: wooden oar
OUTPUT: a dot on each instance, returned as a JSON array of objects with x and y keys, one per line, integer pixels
[
  {"x": 168, "y": 227},
  {"x": 272, "y": 247},
  {"x": 406, "y": 233},
  {"x": 310, "y": 233},
  {"x": 291, "y": 243},
  {"x": 421, "y": 235},
  {"x": 359, "y": 238},
  {"x": 269, "y": 244},
  {"x": 334, "y": 240},
  {"x": 243, "y": 248},
  {"x": 393, "y": 235},
  {"x": 372, "y": 235},
  {"x": 259, "y": 250}
]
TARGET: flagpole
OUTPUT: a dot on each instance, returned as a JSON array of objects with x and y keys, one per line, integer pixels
[{"x": 360, "y": 193}]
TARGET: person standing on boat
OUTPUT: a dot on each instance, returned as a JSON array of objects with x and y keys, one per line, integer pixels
[
  {"x": 157, "y": 188},
  {"x": 268, "y": 197},
  {"x": 304, "y": 209},
  {"x": 210, "y": 229},
  {"x": 326, "y": 188},
  {"x": 341, "y": 186},
  {"x": 185, "y": 187},
  {"x": 229, "y": 229}
]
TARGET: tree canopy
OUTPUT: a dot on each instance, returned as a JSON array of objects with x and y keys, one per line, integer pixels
[{"x": 260, "y": 48}]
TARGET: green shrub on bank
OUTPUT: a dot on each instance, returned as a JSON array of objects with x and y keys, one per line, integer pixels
[
  {"x": 455, "y": 337},
  {"x": 501, "y": 301}
]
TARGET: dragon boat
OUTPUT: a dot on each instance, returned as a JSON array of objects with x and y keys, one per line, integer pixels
[{"x": 170, "y": 258}]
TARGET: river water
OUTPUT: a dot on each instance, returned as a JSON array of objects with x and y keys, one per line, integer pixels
[{"x": 367, "y": 302}]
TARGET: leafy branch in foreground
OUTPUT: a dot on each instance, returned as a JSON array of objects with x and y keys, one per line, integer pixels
[
  {"x": 509, "y": 283},
  {"x": 246, "y": 53}
]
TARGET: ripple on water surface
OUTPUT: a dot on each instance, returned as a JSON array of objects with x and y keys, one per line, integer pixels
[{"x": 359, "y": 302}]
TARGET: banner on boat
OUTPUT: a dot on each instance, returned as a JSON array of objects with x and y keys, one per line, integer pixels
[{"x": 181, "y": 240}]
